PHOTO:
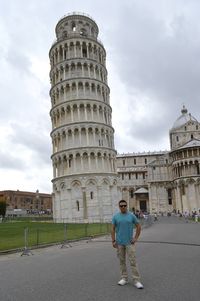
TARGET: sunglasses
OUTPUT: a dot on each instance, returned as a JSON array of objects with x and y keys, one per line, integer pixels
[{"x": 122, "y": 206}]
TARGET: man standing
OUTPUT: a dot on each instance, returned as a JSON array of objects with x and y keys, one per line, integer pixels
[{"x": 122, "y": 225}]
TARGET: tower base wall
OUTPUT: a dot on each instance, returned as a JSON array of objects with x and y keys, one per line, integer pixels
[{"x": 80, "y": 199}]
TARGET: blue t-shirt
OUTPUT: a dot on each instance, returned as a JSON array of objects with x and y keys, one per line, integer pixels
[{"x": 124, "y": 225}]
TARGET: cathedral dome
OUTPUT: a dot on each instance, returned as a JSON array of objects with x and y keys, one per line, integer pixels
[{"x": 183, "y": 119}]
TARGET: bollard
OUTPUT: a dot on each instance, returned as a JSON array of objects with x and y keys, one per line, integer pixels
[
  {"x": 65, "y": 244},
  {"x": 26, "y": 250}
]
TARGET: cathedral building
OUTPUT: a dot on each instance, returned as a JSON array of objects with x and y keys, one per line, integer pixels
[{"x": 165, "y": 181}]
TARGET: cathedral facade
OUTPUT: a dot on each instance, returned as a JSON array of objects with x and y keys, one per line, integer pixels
[{"x": 165, "y": 181}]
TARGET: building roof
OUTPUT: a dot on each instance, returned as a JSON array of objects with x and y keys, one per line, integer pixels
[
  {"x": 191, "y": 143},
  {"x": 142, "y": 154},
  {"x": 19, "y": 192},
  {"x": 141, "y": 190},
  {"x": 183, "y": 119}
]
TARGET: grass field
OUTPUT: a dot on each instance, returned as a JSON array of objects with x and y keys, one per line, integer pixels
[{"x": 12, "y": 233}]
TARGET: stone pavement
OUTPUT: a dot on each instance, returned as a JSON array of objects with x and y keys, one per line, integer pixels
[{"x": 168, "y": 257}]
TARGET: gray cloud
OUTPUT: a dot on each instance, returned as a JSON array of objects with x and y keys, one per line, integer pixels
[
  {"x": 19, "y": 61},
  {"x": 157, "y": 56},
  {"x": 9, "y": 161},
  {"x": 35, "y": 139}
]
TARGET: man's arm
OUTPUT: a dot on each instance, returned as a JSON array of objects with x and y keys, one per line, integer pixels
[
  {"x": 113, "y": 236},
  {"x": 137, "y": 233}
]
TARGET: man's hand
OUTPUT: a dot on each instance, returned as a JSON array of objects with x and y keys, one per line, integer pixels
[
  {"x": 114, "y": 244},
  {"x": 113, "y": 237},
  {"x": 133, "y": 241},
  {"x": 137, "y": 234}
]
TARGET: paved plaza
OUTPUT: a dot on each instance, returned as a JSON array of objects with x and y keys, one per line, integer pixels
[{"x": 168, "y": 256}]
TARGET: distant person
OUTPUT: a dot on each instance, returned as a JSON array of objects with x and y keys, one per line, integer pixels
[
  {"x": 123, "y": 224},
  {"x": 196, "y": 217},
  {"x": 186, "y": 215}
]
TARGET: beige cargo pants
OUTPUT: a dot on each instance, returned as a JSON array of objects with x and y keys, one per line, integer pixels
[{"x": 130, "y": 251}]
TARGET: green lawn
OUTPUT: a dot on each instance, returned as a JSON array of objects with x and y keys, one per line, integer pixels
[{"x": 12, "y": 233}]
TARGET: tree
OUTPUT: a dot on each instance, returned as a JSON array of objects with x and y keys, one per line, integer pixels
[{"x": 2, "y": 206}]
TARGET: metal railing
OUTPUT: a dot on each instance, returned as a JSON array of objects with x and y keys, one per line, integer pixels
[
  {"x": 26, "y": 236},
  {"x": 77, "y": 14}
]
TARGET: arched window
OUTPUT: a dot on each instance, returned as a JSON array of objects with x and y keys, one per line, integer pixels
[
  {"x": 64, "y": 34},
  {"x": 197, "y": 166},
  {"x": 91, "y": 195},
  {"x": 131, "y": 193},
  {"x": 169, "y": 192},
  {"x": 83, "y": 32},
  {"x": 77, "y": 205},
  {"x": 84, "y": 51},
  {"x": 73, "y": 26}
]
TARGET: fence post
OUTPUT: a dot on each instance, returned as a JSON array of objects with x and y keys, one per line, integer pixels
[
  {"x": 65, "y": 244},
  {"x": 100, "y": 228},
  {"x": 86, "y": 229},
  {"x": 37, "y": 237},
  {"x": 26, "y": 250},
  {"x": 90, "y": 237},
  {"x": 108, "y": 228}
]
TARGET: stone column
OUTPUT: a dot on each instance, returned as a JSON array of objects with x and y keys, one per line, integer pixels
[
  {"x": 96, "y": 161},
  {"x": 81, "y": 162},
  {"x": 72, "y": 113},
  {"x": 81, "y": 50},
  {"x": 85, "y": 109},
  {"x": 89, "y": 161},
  {"x": 78, "y": 108},
  {"x": 87, "y": 137}
]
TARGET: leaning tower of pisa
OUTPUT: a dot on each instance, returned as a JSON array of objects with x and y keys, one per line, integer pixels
[{"x": 84, "y": 159}]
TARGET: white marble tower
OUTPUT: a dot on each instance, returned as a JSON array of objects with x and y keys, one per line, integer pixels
[{"x": 84, "y": 159}]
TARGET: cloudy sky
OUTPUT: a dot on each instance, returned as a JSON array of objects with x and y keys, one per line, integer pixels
[{"x": 153, "y": 62}]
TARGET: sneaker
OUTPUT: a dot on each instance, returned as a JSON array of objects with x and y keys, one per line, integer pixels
[
  {"x": 123, "y": 281},
  {"x": 138, "y": 285}
]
